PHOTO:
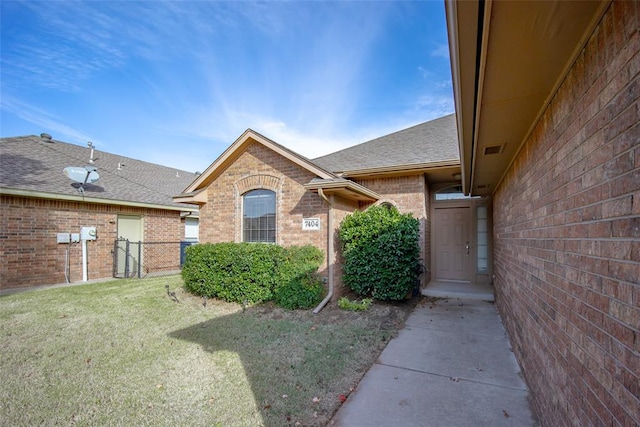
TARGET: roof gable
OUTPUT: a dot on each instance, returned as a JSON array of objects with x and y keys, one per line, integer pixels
[
  {"x": 240, "y": 145},
  {"x": 31, "y": 165}
]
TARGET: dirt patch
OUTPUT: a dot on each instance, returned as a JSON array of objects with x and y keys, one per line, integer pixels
[{"x": 381, "y": 315}]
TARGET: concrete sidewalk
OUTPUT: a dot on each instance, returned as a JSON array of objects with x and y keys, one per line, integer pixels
[{"x": 450, "y": 366}]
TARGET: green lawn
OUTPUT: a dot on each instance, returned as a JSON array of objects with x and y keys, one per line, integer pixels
[{"x": 124, "y": 353}]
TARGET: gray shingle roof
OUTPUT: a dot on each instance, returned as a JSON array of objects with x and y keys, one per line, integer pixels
[
  {"x": 34, "y": 164},
  {"x": 429, "y": 142}
]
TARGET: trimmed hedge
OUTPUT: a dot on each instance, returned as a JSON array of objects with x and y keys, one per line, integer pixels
[
  {"x": 300, "y": 287},
  {"x": 381, "y": 252},
  {"x": 251, "y": 273},
  {"x": 303, "y": 291}
]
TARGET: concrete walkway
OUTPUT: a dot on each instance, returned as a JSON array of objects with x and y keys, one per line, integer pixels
[{"x": 450, "y": 366}]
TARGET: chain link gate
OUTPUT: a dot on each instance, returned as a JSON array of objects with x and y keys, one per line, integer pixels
[{"x": 144, "y": 259}]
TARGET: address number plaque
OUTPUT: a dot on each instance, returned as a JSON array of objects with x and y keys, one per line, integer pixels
[{"x": 311, "y": 223}]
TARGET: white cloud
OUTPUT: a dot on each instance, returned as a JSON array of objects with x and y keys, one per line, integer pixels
[
  {"x": 426, "y": 74},
  {"x": 74, "y": 42},
  {"x": 436, "y": 105},
  {"x": 44, "y": 120},
  {"x": 301, "y": 142},
  {"x": 441, "y": 50},
  {"x": 192, "y": 76}
]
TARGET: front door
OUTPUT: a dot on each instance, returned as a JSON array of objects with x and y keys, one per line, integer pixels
[{"x": 452, "y": 243}]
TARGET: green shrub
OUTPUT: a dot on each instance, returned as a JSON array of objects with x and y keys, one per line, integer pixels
[
  {"x": 300, "y": 286},
  {"x": 304, "y": 291},
  {"x": 307, "y": 255},
  {"x": 249, "y": 272},
  {"x": 235, "y": 272},
  {"x": 363, "y": 305},
  {"x": 381, "y": 252}
]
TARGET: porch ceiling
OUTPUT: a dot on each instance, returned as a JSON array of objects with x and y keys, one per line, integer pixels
[{"x": 507, "y": 60}]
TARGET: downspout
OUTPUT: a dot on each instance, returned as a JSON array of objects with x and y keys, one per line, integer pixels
[{"x": 330, "y": 255}]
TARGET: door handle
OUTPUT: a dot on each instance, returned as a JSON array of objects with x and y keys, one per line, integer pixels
[{"x": 467, "y": 248}]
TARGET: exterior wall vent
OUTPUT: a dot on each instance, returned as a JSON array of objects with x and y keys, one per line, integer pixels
[{"x": 493, "y": 149}]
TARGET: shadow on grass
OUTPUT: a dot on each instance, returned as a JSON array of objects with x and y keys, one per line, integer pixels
[{"x": 297, "y": 366}]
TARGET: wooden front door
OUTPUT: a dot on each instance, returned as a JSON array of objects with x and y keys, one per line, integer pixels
[{"x": 452, "y": 229}]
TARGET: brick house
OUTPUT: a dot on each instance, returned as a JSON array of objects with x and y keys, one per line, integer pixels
[
  {"x": 258, "y": 190},
  {"x": 548, "y": 112},
  {"x": 39, "y": 206},
  {"x": 532, "y": 187}
]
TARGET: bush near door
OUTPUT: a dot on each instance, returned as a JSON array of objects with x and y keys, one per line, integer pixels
[{"x": 381, "y": 252}]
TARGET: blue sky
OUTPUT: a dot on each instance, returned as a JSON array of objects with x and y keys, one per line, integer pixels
[{"x": 177, "y": 82}]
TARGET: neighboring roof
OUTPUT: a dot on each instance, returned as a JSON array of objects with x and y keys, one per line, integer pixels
[
  {"x": 33, "y": 166},
  {"x": 430, "y": 143}
]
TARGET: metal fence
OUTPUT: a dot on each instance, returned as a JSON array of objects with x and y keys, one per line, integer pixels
[{"x": 145, "y": 259}]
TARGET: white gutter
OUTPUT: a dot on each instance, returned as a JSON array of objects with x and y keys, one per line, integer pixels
[
  {"x": 408, "y": 168},
  {"x": 68, "y": 197},
  {"x": 330, "y": 254}
]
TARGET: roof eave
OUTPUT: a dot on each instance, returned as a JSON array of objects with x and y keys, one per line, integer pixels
[
  {"x": 237, "y": 148},
  {"x": 198, "y": 197},
  {"x": 497, "y": 107},
  {"x": 409, "y": 169},
  {"x": 460, "y": 22},
  {"x": 344, "y": 188},
  {"x": 85, "y": 199}
]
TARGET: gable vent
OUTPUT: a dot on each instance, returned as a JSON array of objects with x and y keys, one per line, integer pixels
[{"x": 493, "y": 149}]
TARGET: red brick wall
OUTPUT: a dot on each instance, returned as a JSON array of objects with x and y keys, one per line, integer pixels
[
  {"x": 341, "y": 209},
  {"x": 260, "y": 167},
  {"x": 567, "y": 238},
  {"x": 31, "y": 255},
  {"x": 410, "y": 194}
]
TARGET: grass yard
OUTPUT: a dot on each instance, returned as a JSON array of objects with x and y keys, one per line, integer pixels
[{"x": 124, "y": 353}]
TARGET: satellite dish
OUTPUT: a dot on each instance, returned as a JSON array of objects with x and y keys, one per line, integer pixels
[{"x": 82, "y": 175}]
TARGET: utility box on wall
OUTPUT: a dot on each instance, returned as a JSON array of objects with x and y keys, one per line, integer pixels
[
  {"x": 88, "y": 233},
  {"x": 68, "y": 237}
]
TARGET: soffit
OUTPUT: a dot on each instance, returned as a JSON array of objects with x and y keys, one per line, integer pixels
[
  {"x": 506, "y": 66},
  {"x": 198, "y": 197},
  {"x": 344, "y": 188},
  {"x": 444, "y": 174}
]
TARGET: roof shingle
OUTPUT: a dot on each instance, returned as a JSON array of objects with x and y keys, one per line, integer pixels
[
  {"x": 33, "y": 163},
  {"x": 429, "y": 142}
]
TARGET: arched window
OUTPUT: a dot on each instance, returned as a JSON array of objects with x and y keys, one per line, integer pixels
[{"x": 259, "y": 216}]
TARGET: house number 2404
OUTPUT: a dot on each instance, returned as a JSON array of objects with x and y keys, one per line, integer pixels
[{"x": 311, "y": 223}]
